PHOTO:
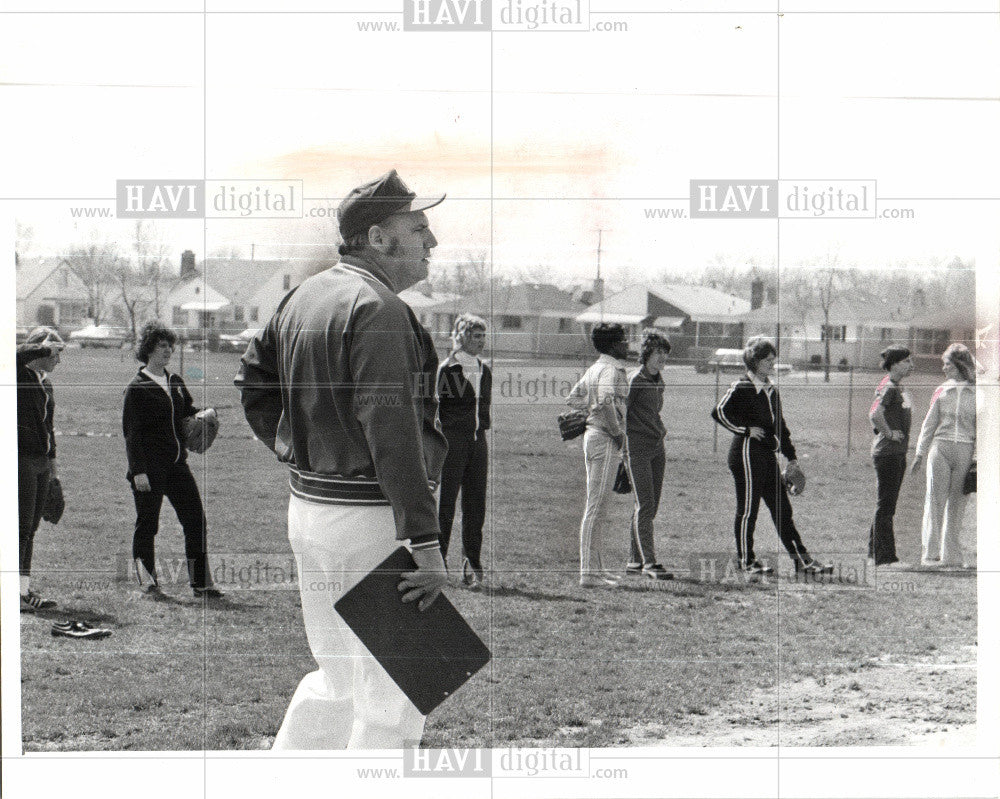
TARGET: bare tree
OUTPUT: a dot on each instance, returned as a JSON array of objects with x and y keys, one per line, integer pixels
[
  {"x": 471, "y": 275},
  {"x": 150, "y": 263},
  {"x": 95, "y": 264},
  {"x": 23, "y": 242},
  {"x": 134, "y": 292}
]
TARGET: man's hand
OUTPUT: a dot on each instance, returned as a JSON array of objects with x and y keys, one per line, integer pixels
[
  {"x": 758, "y": 433},
  {"x": 141, "y": 483},
  {"x": 918, "y": 461},
  {"x": 427, "y": 581}
]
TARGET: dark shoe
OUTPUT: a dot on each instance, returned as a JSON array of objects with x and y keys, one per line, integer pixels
[
  {"x": 209, "y": 592},
  {"x": 30, "y": 602},
  {"x": 78, "y": 629},
  {"x": 153, "y": 592},
  {"x": 757, "y": 569},
  {"x": 813, "y": 567},
  {"x": 633, "y": 570},
  {"x": 656, "y": 571}
]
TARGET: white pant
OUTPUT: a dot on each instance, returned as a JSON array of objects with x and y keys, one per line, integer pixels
[
  {"x": 350, "y": 702},
  {"x": 947, "y": 464},
  {"x": 602, "y": 458}
]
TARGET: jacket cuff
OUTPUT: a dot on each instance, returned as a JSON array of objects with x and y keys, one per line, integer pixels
[{"x": 425, "y": 542}]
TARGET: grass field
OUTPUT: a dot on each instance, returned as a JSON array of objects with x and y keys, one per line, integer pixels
[{"x": 889, "y": 659}]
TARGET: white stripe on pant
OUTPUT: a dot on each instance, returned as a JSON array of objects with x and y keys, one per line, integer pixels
[
  {"x": 350, "y": 702},
  {"x": 947, "y": 463},
  {"x": 602, "y": 457}
]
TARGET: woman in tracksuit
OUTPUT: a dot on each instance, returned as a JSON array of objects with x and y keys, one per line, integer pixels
[
  {"x": 36, "y": 447},
  {"x": 464, "y": 388},
  {"x": 751, "y": 410},
  {"x": 603, "y": 393},
  {"x": 948, "y": 442},
  {"x": 156, "y": 402}
]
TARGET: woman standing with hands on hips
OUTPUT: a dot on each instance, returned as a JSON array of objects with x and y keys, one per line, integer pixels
[
  {"x": 751, "y": 411},
  {"x": 156, "y": 403},
  {"x": 948, "y": 442}
]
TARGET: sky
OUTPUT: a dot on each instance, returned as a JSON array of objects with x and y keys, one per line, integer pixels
[{"x": 538, "y": 144}]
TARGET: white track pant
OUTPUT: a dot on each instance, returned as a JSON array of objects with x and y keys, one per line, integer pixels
[
  {"x": 350, "y": 702},
  {"x": 944, "y": 502},
  {"x": 602, "y": 457}
]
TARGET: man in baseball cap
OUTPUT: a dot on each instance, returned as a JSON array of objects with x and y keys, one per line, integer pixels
[{"x": 329, "y": 385}]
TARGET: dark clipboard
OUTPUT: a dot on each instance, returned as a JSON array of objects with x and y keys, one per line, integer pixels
[{"x": 428, "y": 654}]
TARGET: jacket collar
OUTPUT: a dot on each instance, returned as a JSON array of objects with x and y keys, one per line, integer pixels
[
  {"x": 610, "y": 360},
  {"x": 759, "y": 384},
  {"x": 358, "y": 261}
]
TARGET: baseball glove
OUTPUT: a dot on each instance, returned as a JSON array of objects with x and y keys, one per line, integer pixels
[
  {"x": 200, "y": 430},
  {"x": 794, "y": 479},
  {"x": 55, "y": 503}
]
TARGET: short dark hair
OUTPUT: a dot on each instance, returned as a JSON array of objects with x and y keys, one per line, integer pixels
[
  {"x": 153, "y": 333},
  {"x": 757, "y": 349},
  {"x": 653, "y": 340},
  {"x": 893, "y": 355},
  {"x": 353, "y": 244},
  {"x": 605, "y": 335}
]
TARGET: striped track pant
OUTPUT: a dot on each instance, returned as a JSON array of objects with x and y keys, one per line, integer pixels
[{"x": 602, "y": 458}]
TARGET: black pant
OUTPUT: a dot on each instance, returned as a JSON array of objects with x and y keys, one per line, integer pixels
[
  {"x": 32, "y": 491},
  {"x": 889, "y": 472},
  {"x": 755, "y": 470},
  {"x": 177, "y": 484},
  {"x": 465, "y": 467}
]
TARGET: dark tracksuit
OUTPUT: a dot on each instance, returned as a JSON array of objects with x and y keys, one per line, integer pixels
[
  {"x": 465, "y": 418},
  {"x": 36, "y": 447},
  {"x": 647, "y": 460},
  {"x": 151, "y": 422},
  {"x": 889, "y": 458},
  {"x": 754, "y": 465}
]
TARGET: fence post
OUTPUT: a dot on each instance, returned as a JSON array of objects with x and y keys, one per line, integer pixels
[
  {"x": 715, "y": 427},
  {"x": 850, "y": 407}
]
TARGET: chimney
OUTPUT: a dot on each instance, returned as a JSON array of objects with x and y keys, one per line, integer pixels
[
  {"x": 756, "y": 294},
  {"x": 187, "y": 264}
]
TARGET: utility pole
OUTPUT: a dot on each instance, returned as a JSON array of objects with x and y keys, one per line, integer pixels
[{"x": 598, "y": 282}]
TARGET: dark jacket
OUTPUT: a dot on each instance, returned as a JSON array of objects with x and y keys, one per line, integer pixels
[
  {"x": 151, "y": 422},
  {"x": 340, "y": 385},
  {"x": 36, "y": 405},
  {"x": 644, "y": 426},
  {"x": 743, "y": 407},
  {"x": 458, "y": 404}
]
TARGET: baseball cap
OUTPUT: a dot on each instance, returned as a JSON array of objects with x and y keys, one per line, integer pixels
[{"x": 372, "y": 202}]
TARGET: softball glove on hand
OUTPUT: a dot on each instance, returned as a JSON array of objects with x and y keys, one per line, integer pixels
[
  {"x": 794, "y": 479},
  {"x": 200, "y": 430}
]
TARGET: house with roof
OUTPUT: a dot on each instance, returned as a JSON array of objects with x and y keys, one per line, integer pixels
[
  {"x": 526, "y": 319},
  {"x": 228, "y": 295},
  {"x": 698, "y": 319},
  {"x": 930, "y": 332},
  {"x": 858, "y": 329},
  {"x": 49, "y": 292},
  {"x": 422, "y": 297}
]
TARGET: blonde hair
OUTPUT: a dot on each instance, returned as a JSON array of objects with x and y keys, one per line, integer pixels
[
  {"x": 959, "y": 356},
  {"x": 464, "y": 325}
]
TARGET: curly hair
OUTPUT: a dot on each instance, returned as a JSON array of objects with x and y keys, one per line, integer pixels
[
  {"x": 653, "y": 340},
  {"x": 959, "y": 356},
  {"x": 153, "y": 333},
  {"x": 605, "y": 335},
  {"x": 464, "y": 325},
  {"x": 757, "y": 349}
]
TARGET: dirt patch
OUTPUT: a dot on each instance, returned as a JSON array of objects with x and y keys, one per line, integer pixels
[{"x": 879, "y": 703}]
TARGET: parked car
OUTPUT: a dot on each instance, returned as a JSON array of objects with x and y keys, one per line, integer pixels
[
  {"x": 100, "y": 336},
  {"x": 726, "y": 360},
  {"x": 722, "y": 359},
  {"x": 237, "y": 342}
]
